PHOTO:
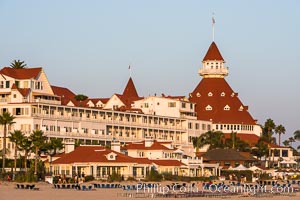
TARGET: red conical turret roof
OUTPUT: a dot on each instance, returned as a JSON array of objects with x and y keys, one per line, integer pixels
[
  {"x": 130, "y": 91},
  {"x": 213, "y": 53}
]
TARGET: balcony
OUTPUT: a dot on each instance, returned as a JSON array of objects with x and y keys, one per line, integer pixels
[
  {"x": 56, "y": 102},
  {"x": 208, "y": 71},
  {"x": 5, "y": 100}
]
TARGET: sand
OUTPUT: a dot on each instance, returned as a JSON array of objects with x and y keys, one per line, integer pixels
[{"x": 46, "y": 191}]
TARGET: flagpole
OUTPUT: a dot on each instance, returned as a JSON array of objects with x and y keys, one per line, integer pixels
[
  {"x": 213, "y": 28},
  {"x": 129, "y": 67}
]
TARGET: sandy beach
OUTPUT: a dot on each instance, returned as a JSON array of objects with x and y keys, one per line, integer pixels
[{"x": 47, "y": 192}]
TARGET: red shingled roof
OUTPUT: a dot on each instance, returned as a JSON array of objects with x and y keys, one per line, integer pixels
[
  {"x": 217, "y": 86},
  {"x": 251, "y": 139},
  {"x": 96, "y": 100},
  {"x": 213, "y": 53},
  {"x": 141, "y": 146},
  {"x": 168, "y": 162},
  {"x": 23, "y": 91},
  {"x": 130, "y": 90},
  {"x": 25, "y": 73},
  {"x": 65, "y": 94},
  {"x": 93, "y": 154},
  {"x": 129, "y": 94}
]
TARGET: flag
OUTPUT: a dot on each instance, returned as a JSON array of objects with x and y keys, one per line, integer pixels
[
  {"x": 128, "y": 66},
  {"x": 213, "y": 20}
]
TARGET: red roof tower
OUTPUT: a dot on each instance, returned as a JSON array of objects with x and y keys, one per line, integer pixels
[{"x": 215, "y": 100}]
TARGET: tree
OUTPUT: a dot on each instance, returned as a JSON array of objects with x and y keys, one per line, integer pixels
[
  {"x": 261, "y": 149},
  {"x": 286, "y": 143},
  {"x": 52, "y": 146},
  {"x": 268, "y": 131},
  {"x": 17, "y": 64},
  {"x": 16, "y": 137},
  {"x": 279, "y": 130},
  {"x": 38, "y": 141},
  {"x": 297, "y": 135},
  {"x": 80, "y": 98},
  {"x": 291, "y": 140},
  {"x": 6, "y": 119},
  {"x": 26, "y": 146},
  {"x": 215, "y": 139}
]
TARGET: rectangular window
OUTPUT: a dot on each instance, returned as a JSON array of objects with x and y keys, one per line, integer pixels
[
  {"x": 17, "y": 83},
  {"x": 183, "y": 105},
  {"x": 25, "y": 84},
  {"x": 203, "y": 126},
  {"x": 7, "y": 84},
  {"x": 190, "y": 125},
  {"x": 1, "y": 84},
  {"x": 172, "y": 104},
  {"x": 146, "y": 105},
  {"x": 197, "y": 126},
  {"x": 276, "y": 153},
  {"x": 285, "y": 153},
  {"x": 208, "y": 127}
]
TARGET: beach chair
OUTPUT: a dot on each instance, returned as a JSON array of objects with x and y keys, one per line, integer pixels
[
  {"x": 84, "y": 188},
  {"x": 68, "y": 186},
  {"x": 31, "y": 187},
  {"x": 90, "y": 187},
  {"x": 58, "y": 186},
  {"x": 98, "y": 185},
  {"x": 95, "y": 185},
  {"x": 27, "y": 187},
  {"x": 18, "y": 186}
]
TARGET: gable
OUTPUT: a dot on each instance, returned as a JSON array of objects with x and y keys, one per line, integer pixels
[{"x": 114, "y": 102}]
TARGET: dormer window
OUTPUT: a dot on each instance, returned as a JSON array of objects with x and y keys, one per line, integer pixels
[
  {"x": 208, "y": 107},
  {"x": 111, "y": 156},
  {"x": 210, "y": 94},
  {"x": 241, "y": 108},
  {"x": 226, "y": 107},
  {"x": 223, "y": 94},
  {"x": 198, "y": 94}
]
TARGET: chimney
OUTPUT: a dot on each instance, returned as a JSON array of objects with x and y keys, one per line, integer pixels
[
  {"x": 149, "y": 141},
  {"x": 116, "y": 146},
  {"x": 69, "y": 145}
]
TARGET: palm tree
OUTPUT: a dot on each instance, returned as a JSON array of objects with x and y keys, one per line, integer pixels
[
  {"x": 80, "y": 98},
  {"x": 261, "y": 149},
  {"x": 268, "y": 130},
  {"x": 26, "y": 146},
  {"x": 52, "y": 147},
  {"x": 6, "y": 119},
  {"x": 38, "y": 141},
  {"x": 279, "y": 130},
  {"x": 286, "y": 143},
  {"x": 17, "y": 64},
  {"x": 297, "y": 135},
  {"x": 233, "y": 139},
  {"x": 215, "y": 139},
  {"x": 291, "y": 140},
  {"x": 16, "y": 137}
]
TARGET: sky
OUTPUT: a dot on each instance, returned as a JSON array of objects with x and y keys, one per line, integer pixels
[{"x": 88, "y": 45}]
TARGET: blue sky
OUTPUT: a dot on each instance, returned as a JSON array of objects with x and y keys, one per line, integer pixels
[{"x": 88, "y": 45}]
